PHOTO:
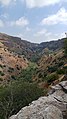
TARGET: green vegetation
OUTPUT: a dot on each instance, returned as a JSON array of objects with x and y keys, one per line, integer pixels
[
  {"x": 1, "y": 65},
  {"x": 28, "y": 73},
  {"x": 52, "y": 77},
  {"x": 13, "y": 77},
  {"x": 1, "y": 79},
  {"x": 65, "y": 69},
  {"x": 22, "y": 90},
  {"x": 62, "y": 71},
  {"x": 10, "y": 69},
  {"x": 35, "y": 58},
  {"x": 52, "y": 68},
  {"x": 16, "y": 96},
  {"x": 1, "y": 73},
  {"x": 19, "y": 93},
  {"x": 65, "y": 46},
  {"x": 60, "y": 63}
]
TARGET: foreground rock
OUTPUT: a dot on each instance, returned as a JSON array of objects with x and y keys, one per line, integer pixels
[{"x": 53, "y": 106}]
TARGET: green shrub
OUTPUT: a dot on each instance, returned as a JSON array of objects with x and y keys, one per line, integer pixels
[
  {"x": 60, "y": 64},
  {"x": 27, "y": 74},
  {"x": 1, "y": 79},
  {"x": 1, "y": 65},
  {"x": 1, "y": 73},
  {"x": 65, "y": 46},
  {"x": 16, "y": 96},
  {"x": 52, "y": 77},
  {"x": 52, "y": 68},
  {"x": 40, "y": 75},
  {"x": 10, "y": 69},
  {"x": 60, "y": 71},
  {"x": 13, "y": 77},
  {"x": 65, "y": 69}
]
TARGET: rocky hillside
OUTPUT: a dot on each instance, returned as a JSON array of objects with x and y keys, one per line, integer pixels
[
  {"x": 51, "y": 68},
  {"x": 22, "y": 81},
  {"x": 18, "y": 46},
  {"x": 10, "y": 64},
  {"x": 14, "y": 51},
  {"x": 53, "y": 106},
  {"x": 32, "y": 51}
]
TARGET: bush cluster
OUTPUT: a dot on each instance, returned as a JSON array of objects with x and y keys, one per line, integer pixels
[{"x": 16, "y": 96}]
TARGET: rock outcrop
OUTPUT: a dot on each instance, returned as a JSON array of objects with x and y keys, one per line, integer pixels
[{"x": 53, "y": 106}]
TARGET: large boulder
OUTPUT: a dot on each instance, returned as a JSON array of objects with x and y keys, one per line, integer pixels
[{"x": 53, "y": 106}]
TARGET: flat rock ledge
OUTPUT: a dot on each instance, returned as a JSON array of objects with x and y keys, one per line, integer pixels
[{"x": 53, "y": 106}]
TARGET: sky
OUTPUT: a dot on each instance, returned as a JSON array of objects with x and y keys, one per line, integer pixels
[{"x": 34, "y": 20}]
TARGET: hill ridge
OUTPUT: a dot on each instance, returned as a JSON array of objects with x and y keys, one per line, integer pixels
[{"x": 31, "y": 51}]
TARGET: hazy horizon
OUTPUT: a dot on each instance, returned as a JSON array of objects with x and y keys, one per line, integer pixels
[{"x": 31, "y": 41}]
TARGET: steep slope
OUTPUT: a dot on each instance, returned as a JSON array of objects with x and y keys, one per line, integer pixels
[
  {"x": 14, "y": 51},
  {"x": 32, "y": 51},
  {"x": 51, "y": 69},
  {"x": 18, "y": 46},
  {"x": 10, "y": 64}
]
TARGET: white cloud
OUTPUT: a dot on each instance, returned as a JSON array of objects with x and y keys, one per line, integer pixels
[
  {"x": 6, "y": 2},
  {"x": 41, "y": 3},
  {"x": 45, "y": 35},
  {"x": 1, "y": 23},
  {"x": 59, "y": 17},
  {"x": 20, "y": 22},
  {"x": 28, "y": 29},
  {"x": 4, "y": 16},
  {"x": 40, "y": 33}
]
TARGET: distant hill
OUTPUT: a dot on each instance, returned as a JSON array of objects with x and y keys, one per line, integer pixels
[
  {"x": 18, "y": 46},
  {"x": 31, "y": 51}
]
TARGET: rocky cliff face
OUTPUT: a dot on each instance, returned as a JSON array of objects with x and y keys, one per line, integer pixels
[{"x": 54, "y": 106}]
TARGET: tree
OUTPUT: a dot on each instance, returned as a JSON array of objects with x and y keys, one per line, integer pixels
[{"x": 65, "y": 46}]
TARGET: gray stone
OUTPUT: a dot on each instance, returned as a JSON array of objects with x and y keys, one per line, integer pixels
[
  {"x": 52, "y": 112},
  {"x": 49, "y": 107}
]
